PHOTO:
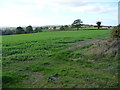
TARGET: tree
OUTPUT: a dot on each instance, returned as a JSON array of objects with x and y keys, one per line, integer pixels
[
  {"x": 66, "y": 27},
  {"x": 98, "y": 24},
  {"x": 46, "y": 27},
  {"x": 115, "y": 34},
  {"x": 54, "y": 27},
  {"x": 62, "y": 28},
  {"x": 77, "y": 23},
  {"x": 19, "y": 30},
  {"x": 7, "y": 32},
  {"x": 29, "y": 29},
  {"x": 41, "y": 27},
  {"x": 38, "y": 29}
]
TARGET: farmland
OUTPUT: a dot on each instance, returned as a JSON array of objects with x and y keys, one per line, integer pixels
[{"x": 30, "y": 59}]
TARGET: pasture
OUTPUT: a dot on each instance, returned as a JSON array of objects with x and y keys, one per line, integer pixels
[{"x": 30, "y": 59}]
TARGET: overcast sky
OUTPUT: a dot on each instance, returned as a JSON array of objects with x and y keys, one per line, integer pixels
[{"x": 57, "y": 12}]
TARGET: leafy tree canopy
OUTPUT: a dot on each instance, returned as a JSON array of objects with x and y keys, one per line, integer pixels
[
  {"x": 29, "y": 29},
  {"x": 19, "y": 30},
  {"x": 77, "y": 23},
  {"x": 98, "y": 24}
]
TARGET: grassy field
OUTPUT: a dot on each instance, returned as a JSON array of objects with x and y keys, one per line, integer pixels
[{"x": 30, "y": 59}]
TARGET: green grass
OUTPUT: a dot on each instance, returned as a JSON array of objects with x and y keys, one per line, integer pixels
[{"x": 29, "y": 59}]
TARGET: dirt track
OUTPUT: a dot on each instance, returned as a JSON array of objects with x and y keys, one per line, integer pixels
[{"x": 82, "y": 44}]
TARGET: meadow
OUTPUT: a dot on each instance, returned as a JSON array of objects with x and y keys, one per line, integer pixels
[{"x": 30, "y": 59}]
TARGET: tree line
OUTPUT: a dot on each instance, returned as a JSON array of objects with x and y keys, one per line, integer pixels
[
  {"x": 21, "y": 30},
  {"x": 29, "y": 29}
]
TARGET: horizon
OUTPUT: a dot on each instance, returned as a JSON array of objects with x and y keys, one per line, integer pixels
[
  {"x": 57, "y": 12},
  {"x": 50, "y": 26}
]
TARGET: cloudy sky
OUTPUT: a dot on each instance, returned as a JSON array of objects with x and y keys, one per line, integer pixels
[{"x": 57, "y": 12}]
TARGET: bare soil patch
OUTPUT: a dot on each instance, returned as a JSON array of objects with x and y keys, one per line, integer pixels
[{"x": 83, "y": 43}]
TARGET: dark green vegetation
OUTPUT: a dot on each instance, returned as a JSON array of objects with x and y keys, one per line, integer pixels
[
  {"x": 115, "y": 33},
  {"x": 20, "y": 30},
  {"x": 30, "y": 59},
  {"x": 98, "y": 24},
  {"x": 77, "y": 23}
]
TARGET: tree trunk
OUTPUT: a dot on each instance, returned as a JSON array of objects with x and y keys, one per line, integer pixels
[{"x": 98, "y": 27}]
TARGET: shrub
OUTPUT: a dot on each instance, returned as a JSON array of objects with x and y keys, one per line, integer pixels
[
  {"x": 54, "y": 28},
  {"x": 62, "y": 28},
  {"x": 38, "y": 29},
  {"x": 29, "y": 29},
  {"x": 115, "y": 34},
  {"x": 19, "y": 30},
  {"x": 7, "y": 32}
]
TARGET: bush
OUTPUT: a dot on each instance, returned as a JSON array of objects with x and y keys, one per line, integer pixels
[
  {"x": 20, "y": 30},
  {"x": 115, "y": 34},
  {"x": 54, "y": 28},
  {"x": 66, "y": 27},
  {"x": 7, "y": 32},
  {"x": 62, "y": 28},
  {"x": 29, "y": 29},
  {"x": 38, "y": 29}
]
